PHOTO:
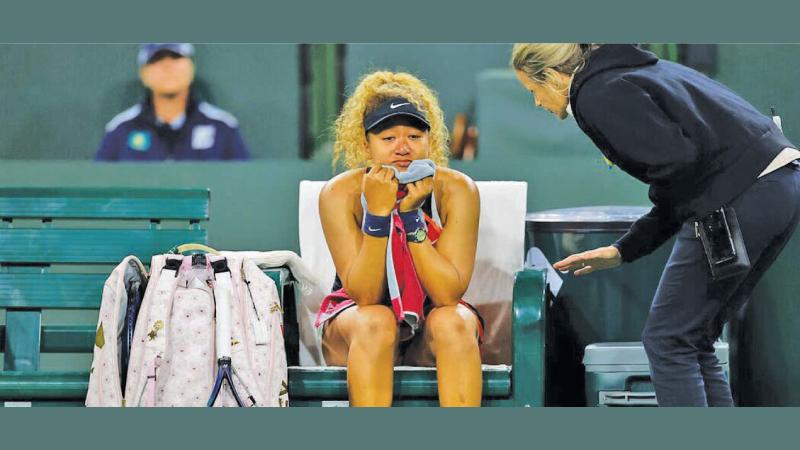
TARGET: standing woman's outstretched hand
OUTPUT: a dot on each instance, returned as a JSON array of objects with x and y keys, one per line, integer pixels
[{"x": 590, "y": 261}]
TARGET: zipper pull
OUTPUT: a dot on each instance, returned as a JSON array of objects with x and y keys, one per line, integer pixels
[
  {"x": 259, "y": 330},
  {"x": 696, "y": 230}
]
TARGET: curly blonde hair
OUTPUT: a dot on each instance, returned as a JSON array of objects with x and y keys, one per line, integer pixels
[{"x": 372, "y": 90}]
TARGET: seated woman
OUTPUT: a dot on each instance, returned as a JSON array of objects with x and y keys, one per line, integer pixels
[{"x": 399, "y": 219}]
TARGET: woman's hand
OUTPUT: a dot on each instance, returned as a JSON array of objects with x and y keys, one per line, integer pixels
[
  {"x": 590, "y": 261},
  {"x": 417, "y": 193},
  {"x": 380, "y": 189}
]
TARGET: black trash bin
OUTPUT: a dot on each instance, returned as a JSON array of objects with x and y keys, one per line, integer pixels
[{"x": 606, "y": 306}]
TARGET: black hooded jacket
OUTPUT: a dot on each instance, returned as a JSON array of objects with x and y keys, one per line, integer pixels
[{"x": 694, "y": 141}]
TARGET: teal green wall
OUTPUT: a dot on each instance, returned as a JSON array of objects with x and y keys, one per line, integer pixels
[
  {"x": 765, "y": 75},
  {"x": 55, "y": 99},
  {"x": 449, "y": 69},
  {"x": 254, "y": 205},
  {"x": 767, "y": 350}
]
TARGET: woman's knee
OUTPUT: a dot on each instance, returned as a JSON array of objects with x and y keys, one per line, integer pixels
[
  {"x": 376, "y": 324},
  {"x": 452, "y": 325},
  {"x": 664, "y": 348}
]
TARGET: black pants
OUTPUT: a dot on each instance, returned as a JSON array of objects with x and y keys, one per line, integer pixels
[{"x": 690, "y": 309}]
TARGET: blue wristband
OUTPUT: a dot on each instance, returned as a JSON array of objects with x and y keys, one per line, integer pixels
[
  {"x": 412, "y": 220},
  {"x": 378, "y": 226}
]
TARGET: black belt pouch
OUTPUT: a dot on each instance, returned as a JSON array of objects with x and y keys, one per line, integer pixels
[{"x": 723, "y": 243}]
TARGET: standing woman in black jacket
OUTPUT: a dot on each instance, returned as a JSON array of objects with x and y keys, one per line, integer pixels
[{"x": 700, "y": 147}]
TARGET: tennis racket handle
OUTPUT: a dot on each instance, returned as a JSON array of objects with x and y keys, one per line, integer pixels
[{"x": 222, "y": 296}]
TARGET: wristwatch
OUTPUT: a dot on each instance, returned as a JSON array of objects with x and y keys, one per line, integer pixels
[{"x": 417, "y": 236}]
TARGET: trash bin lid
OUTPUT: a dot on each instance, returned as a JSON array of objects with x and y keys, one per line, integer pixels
[
  {"x": 587, "y": 218},
  {"x": 631, "y": 353}
]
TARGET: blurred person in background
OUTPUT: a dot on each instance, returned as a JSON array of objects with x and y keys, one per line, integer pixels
[{"x": 170, "y": 123}]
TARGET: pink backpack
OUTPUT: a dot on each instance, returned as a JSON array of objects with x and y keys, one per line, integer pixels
[{"x": 208, "y": 333}]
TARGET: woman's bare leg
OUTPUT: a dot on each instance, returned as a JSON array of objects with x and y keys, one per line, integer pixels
[
  {"x": 364, "y": 338},
  {"x": 450, "y": 338}
]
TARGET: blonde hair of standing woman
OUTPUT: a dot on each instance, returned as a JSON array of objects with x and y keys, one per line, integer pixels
[
  {"x": 540, "y": 62},
  {"x": 373, "y": 89}
]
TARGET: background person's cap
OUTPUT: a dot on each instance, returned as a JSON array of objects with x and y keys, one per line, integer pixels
[
  {"x": 147, "y": 51},
  {"x": 397, "y": 106}
]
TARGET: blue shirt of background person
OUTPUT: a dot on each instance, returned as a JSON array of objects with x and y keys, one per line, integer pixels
[{"x": 170, "y": 123}]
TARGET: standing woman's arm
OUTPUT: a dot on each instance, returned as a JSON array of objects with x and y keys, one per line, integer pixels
[{"x": 643, "y": 137}]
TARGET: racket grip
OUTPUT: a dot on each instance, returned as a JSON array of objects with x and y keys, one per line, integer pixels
[{"x": 222, "y": 296}]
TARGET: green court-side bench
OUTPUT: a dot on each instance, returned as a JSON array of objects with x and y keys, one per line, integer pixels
[
  {"x": 520, "y": 384},
  {"x": 64, "y": 267},
  {"x": 57, "y": 246}
]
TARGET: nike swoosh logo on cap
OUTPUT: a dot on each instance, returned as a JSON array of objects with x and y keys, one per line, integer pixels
[
  {"x": 393, "y": 106},
  {"x": 373, "y": 229}
]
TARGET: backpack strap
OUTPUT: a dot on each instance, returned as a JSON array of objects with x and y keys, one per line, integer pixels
[
  {"x": 223, "y": 287},
  {"x": 156, "y": 338}
]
